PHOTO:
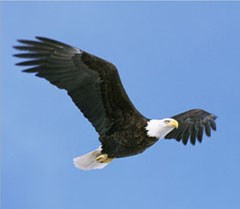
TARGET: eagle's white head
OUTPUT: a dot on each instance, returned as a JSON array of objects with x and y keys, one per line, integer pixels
[{"x": 160, "y": 128}]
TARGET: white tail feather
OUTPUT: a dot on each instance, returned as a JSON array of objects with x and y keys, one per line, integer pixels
[{"x": 88, "y": 161}]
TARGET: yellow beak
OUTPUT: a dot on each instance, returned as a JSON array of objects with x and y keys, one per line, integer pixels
[{"x": 174, "y": 123}]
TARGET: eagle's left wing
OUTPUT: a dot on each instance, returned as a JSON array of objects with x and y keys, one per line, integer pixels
[
  {"x": 93, "y": 83},
  {"x": 192, "y": 125}
]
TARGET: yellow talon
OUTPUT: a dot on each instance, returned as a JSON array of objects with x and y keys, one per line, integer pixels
[{"x": 103, "y": 158}]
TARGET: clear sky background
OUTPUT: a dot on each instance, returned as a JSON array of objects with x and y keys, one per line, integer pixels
[{"x": 172, "y": 56}]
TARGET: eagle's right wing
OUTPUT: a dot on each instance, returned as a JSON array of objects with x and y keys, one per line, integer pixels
[{"x": 192, "y": 125}]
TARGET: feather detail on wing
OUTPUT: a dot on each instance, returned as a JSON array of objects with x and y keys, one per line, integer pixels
[
  {"x": 93, "y": 83},
  {"x": 192, "y": 125}
]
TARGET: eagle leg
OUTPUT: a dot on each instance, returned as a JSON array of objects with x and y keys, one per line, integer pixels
[{"x": 103, "y": 158}]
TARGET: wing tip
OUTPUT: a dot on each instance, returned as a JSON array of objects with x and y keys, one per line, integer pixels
[{"x": 41, "y": 38}]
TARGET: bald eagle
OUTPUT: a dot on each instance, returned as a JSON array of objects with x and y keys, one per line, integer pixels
[{"x": 95, "y": 87}]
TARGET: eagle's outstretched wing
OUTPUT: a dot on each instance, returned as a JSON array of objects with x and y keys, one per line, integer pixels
[
  {"x": 192, "y": 125},
  {"x": 93, "y": 83}
]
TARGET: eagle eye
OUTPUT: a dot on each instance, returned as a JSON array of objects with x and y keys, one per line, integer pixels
[{"x": 167, "y": 121}]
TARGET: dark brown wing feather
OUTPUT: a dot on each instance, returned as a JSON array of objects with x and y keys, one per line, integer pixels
[
  {"x": 93, "y": 83},
  {"x": 192, "y": 125}
]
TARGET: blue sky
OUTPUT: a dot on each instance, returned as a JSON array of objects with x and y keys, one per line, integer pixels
[{"x": 172, "y": 56}]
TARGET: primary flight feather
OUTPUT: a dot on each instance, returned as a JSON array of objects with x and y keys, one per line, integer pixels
[{"x": 95, "y": 87}]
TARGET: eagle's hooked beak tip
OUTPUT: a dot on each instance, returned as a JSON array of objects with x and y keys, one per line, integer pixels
[{"x": 174, "y": 123}]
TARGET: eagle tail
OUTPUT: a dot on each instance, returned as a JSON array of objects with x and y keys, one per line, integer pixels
[{"x": 88, "y": 161}]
